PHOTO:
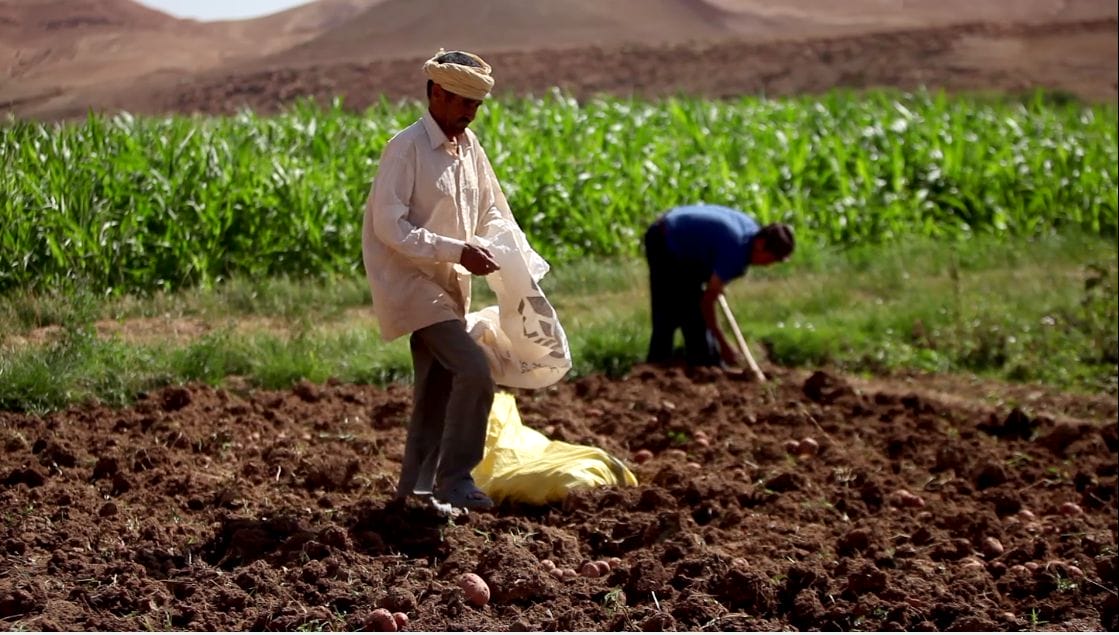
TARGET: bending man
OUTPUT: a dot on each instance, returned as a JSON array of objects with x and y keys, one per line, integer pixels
[{"x": 693, "y": 252}]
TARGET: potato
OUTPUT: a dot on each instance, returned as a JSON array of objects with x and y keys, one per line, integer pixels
[
  {"x": 614, "y": 562},
  {"x": 602, "y": 566},
  {"x": 401, "y": 620},
  {"x": 569, "y": 574},
  {"x": 703, "y": 442},
  {"x": 905, "y": 498},
  {"x": 475, "y": 588},
  {"x": 590, "y": 570},
  {"x": 1071, "y": 509},
  {"x": 556, "y": 573},
  {"x": 676, "y": 454},
  {"x": 808, "y": 447},
  {"x": 547, "y": 564},
  {"x": 991, "y": 547},
  {"x": 381, "y": 621},
  {"x": 972, "y": 564},
  {"x": 1026, "y": 515},
  {"x": 641, "y": 456},
  {"x": 792, "y": 446}
]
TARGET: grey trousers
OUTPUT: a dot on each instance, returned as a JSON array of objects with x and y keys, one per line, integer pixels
[{"x": 453, "y": 394}]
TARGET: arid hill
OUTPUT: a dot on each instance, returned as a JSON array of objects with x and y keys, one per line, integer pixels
[
  {"x": 409, "y": 28},
  {"x": 66, "y": 57}
]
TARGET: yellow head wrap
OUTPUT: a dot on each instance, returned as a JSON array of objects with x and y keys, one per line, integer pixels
[{"x": 467, "y": 81}]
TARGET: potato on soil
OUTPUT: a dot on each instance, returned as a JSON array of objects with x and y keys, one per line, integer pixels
[
  {"x": 808, "y": 447},
  {"x": 1071, "y": 509},
  {"x": 641, "y": 456},
  {"x": 905, "y": 498},
  {"x": 475, "y": 588},
  {"x": 991, "y": 547},
  {"x": 970, "y": 563},
  {"x": 382, "y": 621},
  {"x": 401, "y": 620}
]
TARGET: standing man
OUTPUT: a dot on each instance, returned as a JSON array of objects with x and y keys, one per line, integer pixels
[
  {"x": 693, "y": 252},
  {"x": 434, "y": 192}
]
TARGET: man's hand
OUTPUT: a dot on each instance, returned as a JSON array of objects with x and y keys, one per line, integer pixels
[{"x": 478, "y": 260}]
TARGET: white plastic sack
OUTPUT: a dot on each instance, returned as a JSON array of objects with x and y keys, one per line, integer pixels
[{"x": 522, "y": 336}]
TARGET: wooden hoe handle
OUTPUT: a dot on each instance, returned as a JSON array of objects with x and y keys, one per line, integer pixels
[{"x": 758, "y": 374}]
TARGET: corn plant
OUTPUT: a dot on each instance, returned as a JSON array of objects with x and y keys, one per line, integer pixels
[{"x": 135, "y": 204}]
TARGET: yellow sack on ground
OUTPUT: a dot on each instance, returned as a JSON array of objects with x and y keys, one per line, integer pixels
[{"x": 524, "y": 466}]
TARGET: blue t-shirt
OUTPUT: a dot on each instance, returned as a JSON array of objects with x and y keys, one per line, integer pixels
[{"x": 718, "y": 239}]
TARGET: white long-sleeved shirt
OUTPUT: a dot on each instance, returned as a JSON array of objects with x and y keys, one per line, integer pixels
[{"x": 430, "y": 197}]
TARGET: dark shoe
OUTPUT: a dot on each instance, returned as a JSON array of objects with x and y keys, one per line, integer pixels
[{"x": 465, "y": 494}]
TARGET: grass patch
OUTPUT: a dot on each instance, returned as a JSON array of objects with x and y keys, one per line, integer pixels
[{"x": 1030, "y": 310}]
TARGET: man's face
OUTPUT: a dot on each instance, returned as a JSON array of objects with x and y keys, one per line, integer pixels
[
  {"x": 452, "y": 112},
  {"x": 762, "y": 256}
]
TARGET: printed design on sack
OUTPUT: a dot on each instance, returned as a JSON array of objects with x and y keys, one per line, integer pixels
[
  {"x": 521, "y": 336},
  {"x": 540, "y": 325}
]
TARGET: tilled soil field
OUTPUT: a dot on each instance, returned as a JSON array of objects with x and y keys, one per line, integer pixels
[{"x": 211, "y": 509}]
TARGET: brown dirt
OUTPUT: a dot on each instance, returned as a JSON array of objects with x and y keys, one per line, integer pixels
[
  {"x": 1080, "y": 58},
  {"x": 211, "y": 509}
]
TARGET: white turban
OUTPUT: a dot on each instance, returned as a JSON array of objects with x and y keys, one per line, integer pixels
[{"x": 467, "y": 81}]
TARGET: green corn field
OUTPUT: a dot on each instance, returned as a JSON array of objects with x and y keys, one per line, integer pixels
[{"x": 137, "y": 204}]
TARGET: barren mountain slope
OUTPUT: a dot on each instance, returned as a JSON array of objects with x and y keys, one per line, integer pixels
[
  {"x": 62, "y": 54},
  {"x": 67, "y": 57},
  {"x": 861, "y": 14},
  {"x": 1078, "y": 57},
  {"x": 407, "y": 28},
  {"x": 288, "y": 28}
]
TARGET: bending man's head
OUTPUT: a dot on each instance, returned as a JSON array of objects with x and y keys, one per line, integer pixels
[
  {"x": 774, "y": 243},
  {"x": 457, "y": 82}
]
